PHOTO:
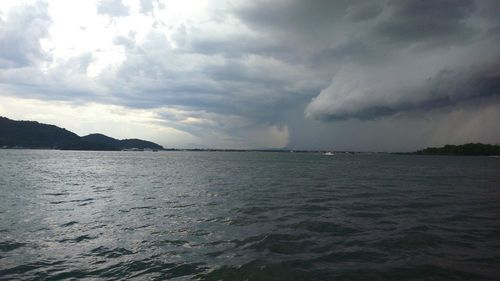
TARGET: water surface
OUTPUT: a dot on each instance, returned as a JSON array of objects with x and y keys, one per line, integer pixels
[{"x": 247, "y": 216}]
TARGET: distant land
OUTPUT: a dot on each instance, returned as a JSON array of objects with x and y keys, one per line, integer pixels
[
  {"x": 464, "y": 149},
  {"x": 35, "y": 135},
  {"x": 31, "y": 134}
]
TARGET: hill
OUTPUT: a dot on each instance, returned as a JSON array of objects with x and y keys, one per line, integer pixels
[
  {"x": 121, "y": 144},
  {"x": 34, "y": 134},
  {"x": 102, "y": 139},
  {"x": 31, "y": 134},
  {"x": 464, "y": 149},
  {"x": 137, "y": 143}
]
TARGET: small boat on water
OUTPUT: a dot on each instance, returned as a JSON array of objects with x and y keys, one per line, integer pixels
[{"x": 328, "y": 153}]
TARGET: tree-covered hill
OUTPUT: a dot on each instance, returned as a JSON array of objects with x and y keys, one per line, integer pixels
[
  {"x": 31, "y": 134},
  {"x": 122, "y": 144},
  {"x": 464, "y": 149}
]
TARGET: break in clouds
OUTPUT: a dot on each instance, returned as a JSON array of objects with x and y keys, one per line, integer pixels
[{"x": 262, "y": 74}]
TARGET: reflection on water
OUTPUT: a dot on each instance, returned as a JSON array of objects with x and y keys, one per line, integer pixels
[{"x": 247, "y": 216}]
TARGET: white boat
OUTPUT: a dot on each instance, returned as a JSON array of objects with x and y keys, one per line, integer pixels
[{"x": 328, "y": 153}]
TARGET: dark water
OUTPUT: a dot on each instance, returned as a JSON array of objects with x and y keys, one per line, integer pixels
[{"x": 248, "y": 216}]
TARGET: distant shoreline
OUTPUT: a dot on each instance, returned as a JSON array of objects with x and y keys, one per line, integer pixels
[
  {"x": 468, "y": 149},
  {"x": 204, "y": 150},
  {"x": 424, "y": 152}
]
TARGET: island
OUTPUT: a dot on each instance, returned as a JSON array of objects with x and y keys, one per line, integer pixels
[
  {"x": 469, "y": 149},
  {"x": 34, "y": 135}
]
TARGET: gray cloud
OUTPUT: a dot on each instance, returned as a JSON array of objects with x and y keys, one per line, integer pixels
[
  {"x": 364, "y": 11},
  {"x": 249, "y": 86},
  {"x": 20, "y": 35},
  {"x": 147, "y": 6},
  {"x": 348, "y": 98},
  {"x": 420, "y": 55},
  {"x": 415, "y": 21},
  {"x": 113, "y": 8},
  {"x": 296, "y": 16}
]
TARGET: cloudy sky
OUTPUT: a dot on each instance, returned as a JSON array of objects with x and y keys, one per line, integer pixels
[{"x": 348, "y": 75}]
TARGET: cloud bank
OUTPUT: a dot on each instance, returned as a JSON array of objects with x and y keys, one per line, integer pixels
[{"x": 254, "y": 74}]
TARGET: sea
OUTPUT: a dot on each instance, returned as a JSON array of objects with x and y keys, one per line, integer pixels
[{"x": 179, "y": 215}]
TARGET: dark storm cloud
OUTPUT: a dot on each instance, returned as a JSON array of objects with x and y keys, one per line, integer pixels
[
  {"x": 421, "y": 55},
  {"x": 294, "y": 16},
  {"x": 448, "y": 87},
  {"x": 364, "y": 11},
  {"x": 365, "y": 38},
  {"x": 418, "y": 21},
  {"x": 358, "y": 51}
]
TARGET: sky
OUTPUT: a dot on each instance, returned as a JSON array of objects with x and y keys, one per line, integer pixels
[{"x": 381, "y": 75}]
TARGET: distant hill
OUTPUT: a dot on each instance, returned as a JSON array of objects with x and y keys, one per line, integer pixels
[
  {"x": 464, "y": 149},
  {"x": 121, "y": 144},
  {"x": 31, "y": 134},
  {"x": 102, "y": 139}
]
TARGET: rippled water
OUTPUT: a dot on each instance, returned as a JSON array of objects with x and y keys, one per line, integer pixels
[{"x": 248, "y": 216}]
